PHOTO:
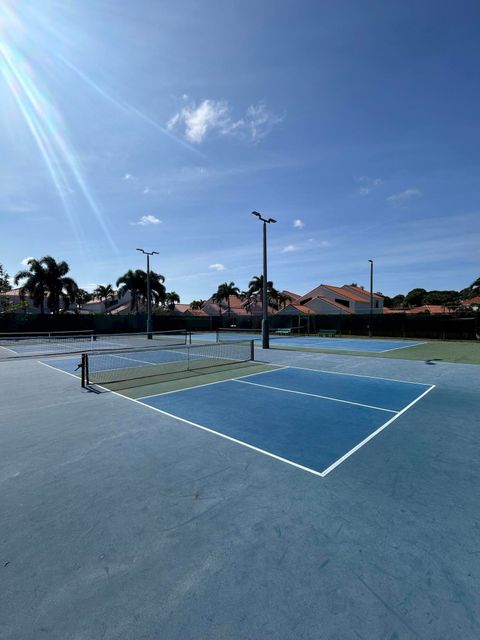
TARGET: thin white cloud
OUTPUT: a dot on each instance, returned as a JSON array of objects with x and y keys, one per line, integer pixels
[
  {"x": 367, "y": 184},
  {"x": 259, "y": 121},
  {"x": 298, "y": 224},
  {"x": 218, "y": 266},
  {"x": 403, "y": 198},
  {"x": 146, "y": 190},
  {"x": 128, "y": 176},
  {"x": 216, "y": 116},
  {"x": 289, "y": 248},
  {"x": 25, "y": 261},
  {"x": 147, "y": 220},
  {"x": 198, "y": 120}
]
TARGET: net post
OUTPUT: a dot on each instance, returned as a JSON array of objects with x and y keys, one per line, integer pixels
[
  {"x": 82, "y": 367},
  {"x": 84, "y": 370},
  {"x": 252, "y": 350}
]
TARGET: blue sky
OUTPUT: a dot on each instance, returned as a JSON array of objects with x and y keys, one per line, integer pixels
[{"x": 162, "y": 125}]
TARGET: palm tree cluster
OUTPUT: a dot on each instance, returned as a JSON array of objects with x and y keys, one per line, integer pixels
[
  {"x": 46, "y": 283},
  {"x": 276, "y": 299},
  {"x": 251, "y": 297},
  {"x": 47, "y": 280},
  {"x": 135, "y": 282},
  {"x": 105, "y": 293}
]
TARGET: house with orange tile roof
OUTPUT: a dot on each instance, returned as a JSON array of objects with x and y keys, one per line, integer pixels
[
  {"x": 319, "y": 305},
  {"x": 329, "y": 299},
  {"x": 473, "y": 302},
  {"x": 431, "y": 308}
]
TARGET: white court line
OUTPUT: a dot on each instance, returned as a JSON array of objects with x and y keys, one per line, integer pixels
[
  {"x": 208, "y": 384},
  {"x": 319, "y": 345},
  {"x": 314, "y": 395},
  {"x": 357, "y": 375},
  {"x": 50, "y": 366},
  {"x": 406, "y": 346},
  {"x": 320, "y": 474},
  {"x": 372, "y": 435},
  {"x": 11, "y": 350},
  {"x": 198, "y": 426},
  {"x": 223, "y": 435}
]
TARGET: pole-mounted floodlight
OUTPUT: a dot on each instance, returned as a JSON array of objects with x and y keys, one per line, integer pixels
[
  {"x": 265, "y": 332},
  {"x": 149, "y": 300},
  {"x": 370, "y": 332}
]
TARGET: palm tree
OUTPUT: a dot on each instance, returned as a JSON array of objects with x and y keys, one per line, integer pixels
[
  {"x": 131, "y": 282},
  {"x": 4, "y": 287},
  {"x": 35, "y": 286},
  {"x": 197, "y": 304},
  {"x": 255, "y": 286},
  {"x": 136, "y": 283},
  {"x": 250, "y": 300},
  {"x": 104, "y": 293},
  {"x": 47, "y": 278},
  {"x": 171, "y": 299},
  {"x": 224, "y": 292},
  {"x": 283, "y": 299},
  {"x": 82, "y": 298},
  {"x": 157, "y": 289}
]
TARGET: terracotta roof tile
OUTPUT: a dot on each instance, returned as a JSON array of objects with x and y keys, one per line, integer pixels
[
  {"x": 359, "y": 289},
  {"x": 343, "y": 292}
]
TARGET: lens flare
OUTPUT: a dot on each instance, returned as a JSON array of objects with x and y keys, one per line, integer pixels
[{"x": 46, "y": 127}]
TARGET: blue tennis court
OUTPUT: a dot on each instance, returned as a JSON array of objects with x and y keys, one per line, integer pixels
[
  {"x": 315, "y": 342},
  {"x": 308, "y": 418}
]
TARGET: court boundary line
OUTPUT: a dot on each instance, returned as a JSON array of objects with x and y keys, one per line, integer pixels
[
  {"x": 406, "y": 346},
  {"x": 198, "y": 426},
  {"x": 208, "y": 384},
  {"x": 338, "y": 462},
  {"x": 284, "y": 343},
  {"x": 315, "y": 395},
  {"x": 45, "y": 364},
  {"x": 358, "y": 375},
  {"x": 312, "y": 346},
  {"x": 321, "y": 474},
  {"x": 11, "y": 350}
]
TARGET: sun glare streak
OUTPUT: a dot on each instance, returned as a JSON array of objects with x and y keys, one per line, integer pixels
[
  {"x": 44, "y": 124},
  {"x": 47, "y": 151},
  {"x": 127, "y": 108}
]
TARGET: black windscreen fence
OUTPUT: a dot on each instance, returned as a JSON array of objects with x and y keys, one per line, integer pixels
[{"x": 403, "y": 325}]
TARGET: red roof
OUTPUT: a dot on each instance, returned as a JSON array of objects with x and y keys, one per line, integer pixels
[
  {"x": 292, "y": 295},
  {"x": 375, "y": 295},
  {"x": 300, "y": 307},
  {"x": 196, "y": 312},
  {"x": 340, "y": 291},
  {"x": 387, "y": 310},
  {"x": 431, "y": 308},
  {"x": 474, "y": 300}
]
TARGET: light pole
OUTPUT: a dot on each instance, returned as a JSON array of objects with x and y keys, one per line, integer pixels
[
  {"x": 265, "y": 334},
  {"x": 371, "y": 300},
  {"x": 149, "y": 298}
]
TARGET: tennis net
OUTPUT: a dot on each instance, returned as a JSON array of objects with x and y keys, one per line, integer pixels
[
  {"x": 17, "y": 345},
  {"x": 160, "y": 362}
]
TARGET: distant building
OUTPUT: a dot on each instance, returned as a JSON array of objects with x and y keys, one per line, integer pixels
[{"x": 328, "y": 299}]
